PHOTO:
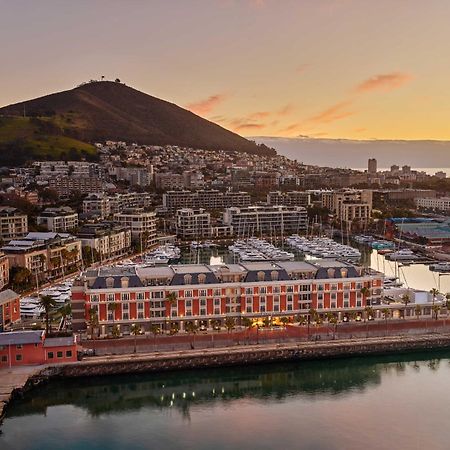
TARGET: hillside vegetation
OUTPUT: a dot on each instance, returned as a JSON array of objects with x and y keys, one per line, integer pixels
[{"x": 99, "y": 111}]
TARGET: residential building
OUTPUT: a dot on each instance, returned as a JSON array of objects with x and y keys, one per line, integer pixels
[
  {"x": 4, "y": 270},
  {"x": 46, "y": 255},
  {"x": 208, "y": 294},
  {"x": 372, "y": 166},
  {"x": 97, "y": 204},
  {"x": 67, "y": 185},
  {"x": 13, "y": 224},
  {"x": 119, "y": 202},
  {"x": 291, "y": 198},
  {"x": 193, "y": 224},
  {"x": 21, "y": 348},
  {"x": 208, "y": 199},
  {"x": 169, "y": 180},
  {"x": 9, "y": 309},
  {"x": 271, "y": 220},
  {"x": 439, "y": 204},
  {"x": 61, "y": 219},
  {"x": 107, "y": 239},
  {"x": 142, "y": 225}
]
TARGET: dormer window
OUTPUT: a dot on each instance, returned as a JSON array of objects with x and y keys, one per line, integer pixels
[
  {"x": 188, "y": 279},
  {"x": 330, "y": 273},
  {"x": 274, "y": 275},
  {"x": 261, "y": 275},
  {"x": 110, "y": 282},
  {"x": 202, "y": 278},
  {"x": 344, "y": 272},
  {"x": 124, "y": 281}
]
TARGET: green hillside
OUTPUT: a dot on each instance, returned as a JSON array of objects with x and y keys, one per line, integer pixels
[{"x": 27, "y": 138}]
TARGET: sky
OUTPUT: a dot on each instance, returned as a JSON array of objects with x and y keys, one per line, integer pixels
[{"x": 353, "y": 69}]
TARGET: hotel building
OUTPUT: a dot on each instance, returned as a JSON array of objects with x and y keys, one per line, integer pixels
[
  {"x": 208, "y": 294},
  {"x": 58, "y": 219}
]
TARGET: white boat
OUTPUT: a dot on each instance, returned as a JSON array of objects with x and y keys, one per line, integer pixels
[
  {"x": 402, "y": 255},
  {"x": 440, "y": 267},
  {"x": 30, "y": 308}
]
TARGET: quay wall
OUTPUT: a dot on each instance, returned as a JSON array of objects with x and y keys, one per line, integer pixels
[{"x": 247, "y": 355}]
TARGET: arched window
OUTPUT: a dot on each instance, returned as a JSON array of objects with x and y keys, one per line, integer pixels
[
  {"x": 274, "y": 275},
  {"x": 261, "y": 276},
  {"x": 188, "y": 279},
  {"x": 110, "y": 282},
  {"x": 124, "y": 282},
  {"x": 344, "y": 272},
  {"x": 330, "y": 273},
  {"x": 202, "y": 278}
]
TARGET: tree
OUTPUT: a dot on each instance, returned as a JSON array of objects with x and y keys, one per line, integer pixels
[
  {"x": 47, "y": 303},
  {"x": 418, "y": 311},
  {"x": 112, "y": 307},
  {"x": 171, "y": 300},
  {"x": 65, "y": 311},
  {"x": 284, "y": 320},
  {"x": 115, "y": 331},
  {"x": 436, "y": 309},
  {"x": 365, "y": 292},
  {"x": 21, "y": 278},
  {"x": 434, "y": 292},
  {"x": 405, "y": 300},
  {"x": 191, "y": 329},
  {"x": 368, "y": 312},
  {"x": 93, "y": 321},
  {"x": 386, "y": 313},
  {"x": 135, "y": 331},
  {"x": 246, "y": 322},
  {"x": 154, "y": 329},
  {"x": 266, "y": 322},
  {"x": 230, "y": 323}
]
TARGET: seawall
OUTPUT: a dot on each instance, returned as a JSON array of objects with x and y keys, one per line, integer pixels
[{"x": 206, "y": 358}]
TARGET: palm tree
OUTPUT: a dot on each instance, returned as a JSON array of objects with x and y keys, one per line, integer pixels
[
  {"x": 333, "y": 320},
  {"x": 230, "y": 323},
  {"x": 418, "y": 311},
  {"x": 405, "y": 300},
  {"x": 154, "y": 329},
  {"x": 246, "y": 322},
  {"x": 266, "y": 322},
  {"x": 312, "y": 315},
  {"x": 284, "y": 320},
  {"x": 174, "y": 329},
  {"x": 47, "y": 303},
  {"x": 135, "y": 331},
  {"x": 191, "y": 328},
  {"x": 365, "y": 292},
  {"x": 434, "y": 292},
  {"x": 436, "y": 309},
  {"x": 171, "y": 300},
  {"x": 65, "y": 311},
  {"x": 386, "y": 313},
  {"x": 115, "y": 331},
  {"x": 113, "y": 306},
  {"x": 369, "y": 312},
  {"x": 93, "y": 320}
]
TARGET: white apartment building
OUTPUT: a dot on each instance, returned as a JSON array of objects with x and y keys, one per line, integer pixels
[
  {"x": 291, "y": 198},
  {"x": 441, "y": 204},
  {"x": 205, "y": 198},
  {"x": 119, "y": 202},
  {"x": 97, "y": 204},
  {"x": 13, "y": 224},
  {"x": 193, "y": 223},
  {"x": 58, "y": 219},
  {"x": 270, "y": 220},
  {"x": 142, "y": 225},
  {"x": 107, "y": 239}
]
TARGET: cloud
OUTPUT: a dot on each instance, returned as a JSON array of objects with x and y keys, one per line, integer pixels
[
  {"x": 335, "y": 112},
  {"x": 258, "y": 115},
  {"x": 205, "y": 106},
  {"x": 302, "y": 68},
  {"x": 290, "y": 128},
  {"x": 285, "y": 110},
  {"x": 384, "y": 82},
  {"x": 249, "y": 126}
]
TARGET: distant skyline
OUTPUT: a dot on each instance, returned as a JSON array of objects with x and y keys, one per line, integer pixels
[{"x": 354, "y": 69}]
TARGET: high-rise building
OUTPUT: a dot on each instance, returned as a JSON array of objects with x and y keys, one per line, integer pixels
[{"x": 372, "y": 166}]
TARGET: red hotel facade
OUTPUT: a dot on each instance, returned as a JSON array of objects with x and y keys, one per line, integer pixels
[{"x": 208, "y": 294}]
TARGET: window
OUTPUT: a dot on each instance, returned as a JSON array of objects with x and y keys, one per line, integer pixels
[
  {"x": 289, "y": 297},
  {"x": 320, "y": 287},
  {"x": 346, "y": 304},
  {"x": 125, "y": 307},
  {"x": 202, "y": 293},
  {"x": 333, "y": 296},
  {"x": 289, "y": 288},
  {"x": 248, "y": 300},
  {"x": 4, "y": 358},
  {"x": 18, "y": 357},
  {"x": 202, "y": 278},
  {"x": 320, "y": 305},
  {"x": 217, "y": 302},
  {"x": 188, "y": 279},
  {"x": 158, "y": 294},
  {"x": 320, "y": 296},
  {"x": 260, "y": 276},
  {"x": 125, "y": 296},
  {"x": 69, "y": 354},
  {"x": 276, "y": 289},
  {"x": 262, "y": 290},
  {"x": 140, "y": 314},
  {"x": 202, "y": 302},
  {"x": 203, "y": 311},
  {"x": 249, "y": 291},
  {"x": 110, "y": 298},
  {"x": 125, "y": 316},
  {"x": 140, "y": 306},
  {"x": 94, "y": 298},
  {"x": 333, "y": 304},
  {"x": 188, "y": 293},
  {"x": 217, "y": 291},
  {"x": 59, "y": 354},
  {"x": 188, "y": 303},
  {"x": 19, "y": 347},
  {"x": 140, "y": 296},
  {"x": 249, "y": 309},
  {"x": 334, "y": 287}
]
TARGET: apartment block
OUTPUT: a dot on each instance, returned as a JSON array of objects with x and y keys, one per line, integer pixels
[
  {"x": 142, "y": 225},
  {"x": 58, "y": 219},
  {"x": 97, "y": 205},
  {"x": 440, "y": 204},
  {"x": 193, "y": 223},
  {"x": 291, "y": 198},
  {"x": 4, "y": 270},
  {"x": 13, "y": 224}
]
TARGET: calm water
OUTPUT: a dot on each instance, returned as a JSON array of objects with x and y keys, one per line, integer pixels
[
  {"x": 372, "y": 403},
  {"x": 417, "y": 276}
]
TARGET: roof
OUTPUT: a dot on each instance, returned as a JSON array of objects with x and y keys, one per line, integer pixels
[
  {"x": 7, "y": 296},
  {"x": 59, "y": 341},
  {"x": 21, "y": 337}
]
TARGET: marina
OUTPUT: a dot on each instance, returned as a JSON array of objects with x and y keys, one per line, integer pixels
[{"x": 254, "y": 249}]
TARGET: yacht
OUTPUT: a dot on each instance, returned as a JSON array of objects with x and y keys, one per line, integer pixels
[
  {"x": 30, "y": 308},
  {"x": 402, "y": 255},
  {"x": 443, "y": 267}
]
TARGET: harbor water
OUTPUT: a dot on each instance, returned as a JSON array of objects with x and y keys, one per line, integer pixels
[{"x": 372, "y": 403}]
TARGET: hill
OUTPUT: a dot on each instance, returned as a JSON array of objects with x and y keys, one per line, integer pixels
[{"x": 105, "y": 110}]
